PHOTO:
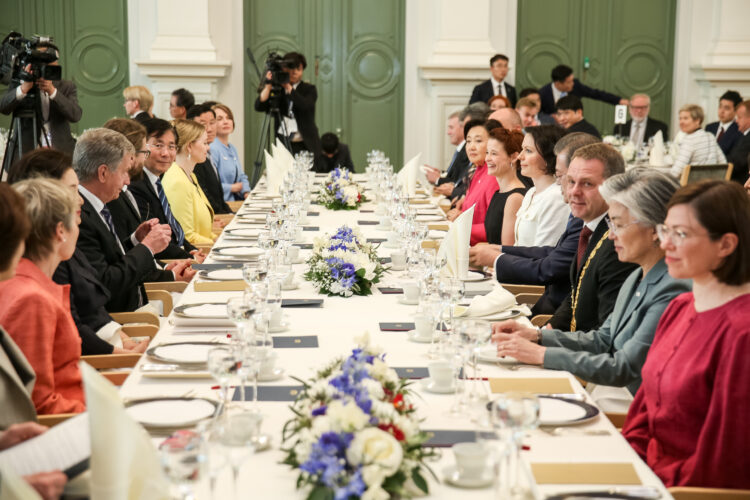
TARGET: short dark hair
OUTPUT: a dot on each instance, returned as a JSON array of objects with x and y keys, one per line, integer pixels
[
  {"x": 545, "y": 137},
  {"x": 731, "y": 95},
  {"x": 527, "y": 92},
  {"x": 496, "y": 57},
  {"x": 722, "y": 207},
  {"x": 185, "y": 98},
  {"x": 329, "y": 143},
  {"x": 571, "y": 102},
  {"x": 612, "y": 160},
  {"x": 492, "y": 124},
  {"x": 156, "y": 128},
  {"x": 473, "y": 123},
  {"x": 14, "y": 223},
  {"x": 295, "y": 60},
  {"x": 561, "y": 72},
  {"x": 42, "y": 162},
  {"x": 197, "y": 110}
]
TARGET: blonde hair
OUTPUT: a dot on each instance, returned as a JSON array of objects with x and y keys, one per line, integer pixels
[
  {"x": 188, "y": 131},
  {"x": 141, "y": 94},
  {"x": 48, "y": 203},
  {"x": 695, "y": 112}
]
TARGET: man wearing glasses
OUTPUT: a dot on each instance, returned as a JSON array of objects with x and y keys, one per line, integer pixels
[{"x": 640, "y": 128}]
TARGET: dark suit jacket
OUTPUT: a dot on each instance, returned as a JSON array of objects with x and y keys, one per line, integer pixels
[
  {"x": 88, "y": 298},
  {"x": 148, "y": 203},
  {"x": 652, "y": 127},
  {"x": 303, "y": 106},
  {"x": 343, "y": 158},
  {"x": 63, "y": 110},
  {"x": 599, "y": 287},
  {"x": 457, "y": 169},
  {"x": 545, "y": 119},
  {"x": 584, "y": 126},
  {"x": 122, "y": 275},
  {"x": 142, "y": 118},
  {"x": 484, "y": 92},
  {"x": 17, "y": 379},
  {"x": 210, "y": 183},
  {"x": 548, "y": 266},
  {"x": 579, "y": 89},
  {"x": 738, "y": 158},
  {"x": 730, "y": 137}
]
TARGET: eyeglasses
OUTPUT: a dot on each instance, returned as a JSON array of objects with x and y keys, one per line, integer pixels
[
  {"x": 676, "y": 236},
  {"x": 614, "y": 228},
  {"x": 145, "y": 152},
  {"x": 159, "y": 145},
  {"x": 638, "y": 107}
]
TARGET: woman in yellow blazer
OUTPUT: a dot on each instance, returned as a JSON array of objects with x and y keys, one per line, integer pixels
[{"x": 186, "y": 198}]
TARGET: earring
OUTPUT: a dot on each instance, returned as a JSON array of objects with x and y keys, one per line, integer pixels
[
  {"x": 189, "y": 156},
  {"x": 64, "y": 239}
]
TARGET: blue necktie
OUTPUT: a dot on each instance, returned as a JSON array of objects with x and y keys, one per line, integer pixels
[{"x": 176, "y": 228}]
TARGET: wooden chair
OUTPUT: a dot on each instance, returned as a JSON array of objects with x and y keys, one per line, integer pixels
[
  {"x": 695, "y": 173},
  {"x": 540, "y": 319},
  {"x": 136, "y": 317},
  {"x": 617, "y": 419},
  {"x": 694, "y": 493},
  {"x": 140, "y": 330},
  {"x": 224, "y": 217},
  {"x": 204, "y": 248},
  {"x": 528, "y": 298},
  {"x": 109, "y": 361},
  {"x": 516, "y": 289},
  {"x": 169, "y": 286},
  {"x": 162, "y": 296},
  {"x": 54, "y": 419}
]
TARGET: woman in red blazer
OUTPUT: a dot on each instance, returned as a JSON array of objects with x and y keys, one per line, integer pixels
[{"x": 34, "y": 310}]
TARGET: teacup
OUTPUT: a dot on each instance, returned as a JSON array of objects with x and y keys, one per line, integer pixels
[
  {"x": 385, "y": 221},
  {"x": 441, "y": 373},
  {"x": 398, "y": 260},
  {"x": 293, "y": 253},
  {"x": 276, "y": 318},
  {"x": 394, "y": 239},
  {"x": 423, "y": 325},
  {"x": 411, "y": 291},
  {"x": 471, "y": 459},
  {"x": 268, "y": 364}
]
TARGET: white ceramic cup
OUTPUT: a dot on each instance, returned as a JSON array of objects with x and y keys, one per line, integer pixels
[
  {"x": 398, "y": 260},
  {"x": 288, "y": 280},
  {"x": 471, "y": 459},
  {"x": 293, "y": 253},
  {"x": 441, "y": 373},
  {"x": 268, "y": 364},
  {"x": 394, "y": 239},
  {"x": 385, "y": 221},
  {"x": 411, "y": 291},
  {"x": 423, "y": 325},
  {"x": 276, "y": 318},
  {"x": 298, "y": 234}
]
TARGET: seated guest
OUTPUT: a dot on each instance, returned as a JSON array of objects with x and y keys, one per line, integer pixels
[
  {"x": 474, "y": 111},
  {"x": 614, "y": 353},
  {"x": 698, "y": 147},
  {"x": 540, "y": 117},
  {"x": 688, "y": 420},
  {"x": 738, "y": 156},
  {"x": 570, "y": 115},
  {"x": 543, "y": 215},
  {"x": 496, "y": 85},
  {"x": 225, "y": 157},
  {"x": 725, "y": 129},
  {"x": 508, "y": 118},
  {"x": 333, "y": 154},
  {"x": 180, "y": 101},
  {"x": 35, "y": 310},
  {"x": 206, "y": 172},
  {"x": 641, "y": 127},
  {"x": 503, "y": 148},
  {"x": 596, "y": 274},
  {"x": 498, "y": 102},
  {"x": 186, "y": 198},
  {"x": 545, "y": 265},
  {"x": 565, "y": 83},
  {"x": 459, "y": 161},
  {"x": 138, "y": 103},
  {"x": 526, "y": 109},
  {"x": 49, "y": 485},
  {"x": 481, "y": 185}
]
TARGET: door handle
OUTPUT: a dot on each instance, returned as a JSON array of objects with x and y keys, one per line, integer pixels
[{"x": 317, "y": 65}]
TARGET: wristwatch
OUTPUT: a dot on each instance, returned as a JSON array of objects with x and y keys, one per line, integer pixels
[{"x": 539, "y": 335}]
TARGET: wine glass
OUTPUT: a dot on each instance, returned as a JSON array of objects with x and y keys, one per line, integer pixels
[
  {"x": 238, "y": 433},
  {"x": 239, "y": 311},
  {"x": 476, "y": 333},
  {"x": 183, "y": 460},
  {"x": 222, "y": 366}
]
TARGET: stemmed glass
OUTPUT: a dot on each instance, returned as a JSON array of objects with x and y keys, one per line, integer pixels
[
  {"x": 183, "y": 459},
  {"x": 455, "y": 350},
  {"x": 239, "y": 312},
  {"x": 238, "y": 435},
  {"x": 222, "y": 366},
  {"x": 476, "y": 333}
]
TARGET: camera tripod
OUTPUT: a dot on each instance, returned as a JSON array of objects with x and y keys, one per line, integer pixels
[{"x": 26, "y": 130}]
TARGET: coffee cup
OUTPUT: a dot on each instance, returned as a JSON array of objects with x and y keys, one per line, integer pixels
[
  {"x": 268, "y": 364},
  {"x": 393, "y": 239},
  {"x": 276, "y": 318},
  {"x": 471, "y": 459},
  {"x": 380, "y": 209},
  {"x": 385, "y": 221},
  {"x": 398, "y": 260},
  {"x": 411, "y": 291},
  {"x": 441, "y": 373},
  {"x": 423, "y": 325},
  {"x": 298, "y": 234},
  {"x": 293, "y": 253}
]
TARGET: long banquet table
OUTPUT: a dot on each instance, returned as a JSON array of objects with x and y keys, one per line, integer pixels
[{"x": 336, "y": 324}]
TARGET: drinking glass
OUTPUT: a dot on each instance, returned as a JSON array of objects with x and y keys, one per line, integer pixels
[
  {"x": 237, "y": 434},
  {"x": 183, "y": 460},
  {"x": 239, "y": 311},
  {"x": 222, "y": 366},
  {"x": 476, "y": 333}
]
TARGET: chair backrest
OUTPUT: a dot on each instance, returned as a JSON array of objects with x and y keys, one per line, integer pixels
[
  {"x": 694, "y": 493},
  {"x": 695, "y": 173},
  {"x": 528, "y": 298}
]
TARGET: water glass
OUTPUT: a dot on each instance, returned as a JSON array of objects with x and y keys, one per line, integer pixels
[
  {"x": 183, "y": 459},
  {"x": 222, "y": 366}
]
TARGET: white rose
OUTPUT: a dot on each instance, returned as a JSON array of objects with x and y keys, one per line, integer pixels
[
  {"x": 373, "y": 475},
  {"x": 380, "y": 371},
  {"x": 407, "y": 426},
  {"x": 374, "y": 388},
  {"x": 346, "y": 417},
  {"x": 321, "y": 425},
  {"x": 373, "y": 446},
  {"x": 383, "y": 410},
  {"x": 375, "y": 493}
]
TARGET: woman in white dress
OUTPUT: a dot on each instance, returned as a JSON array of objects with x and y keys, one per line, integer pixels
[
  {"x": 697, "y": 147},
  {"x": 543, "y": 215}
]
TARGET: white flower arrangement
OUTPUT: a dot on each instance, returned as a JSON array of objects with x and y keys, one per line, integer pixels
[{"x": 340, "y": 192}]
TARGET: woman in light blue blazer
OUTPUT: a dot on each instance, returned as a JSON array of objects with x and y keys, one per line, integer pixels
[{"x": 613, "y": 354}]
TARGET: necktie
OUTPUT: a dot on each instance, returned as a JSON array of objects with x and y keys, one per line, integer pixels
[
  {"x": 636, "y": 133},
  {"x": 721, "y": 132},
  {"x": 176, "y": 228},
  {"x": 453, "y": 160},
  {"x": 583, "y": 242}
]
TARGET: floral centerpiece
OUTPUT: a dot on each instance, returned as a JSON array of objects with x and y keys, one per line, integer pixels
[
  {"x": 340, "y": 192},
  {"x": 355, "y": 434},
  {"x": 344, "y": 264}
]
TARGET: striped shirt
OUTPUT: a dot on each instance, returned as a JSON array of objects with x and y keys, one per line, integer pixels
[{"x": 697, "y": 148}]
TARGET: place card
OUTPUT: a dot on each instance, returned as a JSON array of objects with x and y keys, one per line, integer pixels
[
  {"x": 546, "y": 385},
  {"x": 376, "y": 240},
  {"x": 366, "y": 211},
  {"x": 386, "y": 290},
  {"x": 396, "y": 327},
  {"x": 301, "y": 302},
  {"x": 270, "y": 393},
  {"x": 219, "y": 286},
  {"x": 585, "y": 473},
  {"x": 414, "y": 372},
  {"x": 292, "y": 342},
  {"x": 368, "y": 222},
  {"x": 304, "y": 246},
  {"x": 310, "y": 228},
  {"x": 447, "y": 438},
  {"x": 385, "y": 260}
]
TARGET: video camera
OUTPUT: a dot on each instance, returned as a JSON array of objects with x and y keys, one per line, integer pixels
[
  {"x": 17, "y": 52},
  {"x": 276, "y": 64}
]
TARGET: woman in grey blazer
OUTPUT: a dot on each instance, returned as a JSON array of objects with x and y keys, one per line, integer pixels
[{"x": 613, "y": 354}]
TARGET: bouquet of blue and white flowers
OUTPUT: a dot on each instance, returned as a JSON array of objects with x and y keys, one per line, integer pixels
[
  {"x": 355, "y": 434},
  {"x": 344, "y": 264},
  {"x": 340, "y": 192}
]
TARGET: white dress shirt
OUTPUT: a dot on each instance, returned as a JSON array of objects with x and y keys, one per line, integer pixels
[{"x": 498, "y": 88}]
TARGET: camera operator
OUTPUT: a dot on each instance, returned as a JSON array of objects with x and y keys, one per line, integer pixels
[
  {"x": 58, "y": 102},
  {"x": 296, "y": 101}
]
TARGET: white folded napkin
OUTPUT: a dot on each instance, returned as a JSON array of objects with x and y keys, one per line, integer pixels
[
  {"x": 455, "y": 245},
  {"x": 407, "y": 177},
  {"x": 274, "y": 174},
  {"x": 124, "y": 464},
  {"x": 628, "y": 151},
  {"x": 674, "y": 148},
  {"x": 656, "y": 155},
  {"x": 497, "y": 301},
  {"x": 282, "y": 155}
]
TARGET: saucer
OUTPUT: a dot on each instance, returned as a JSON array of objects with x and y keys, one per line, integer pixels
[
  {"x": 293, "y": 286},
  {"x": 300, "y": 260},
  {"x": 383, "y": 228},
  {"x": 412, "y": 335},
  {"x": 281, "y": 327},
  {"x": 403, "y": 300},
  {"x": 276, "y": 374},
  {"x": 429, "y": 386},
  {"x": 387, "y": 244},
  {"x": 452, "y": 477}
]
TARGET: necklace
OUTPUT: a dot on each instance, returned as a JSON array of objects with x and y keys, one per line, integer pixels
[{"x": 575, "y": 293}]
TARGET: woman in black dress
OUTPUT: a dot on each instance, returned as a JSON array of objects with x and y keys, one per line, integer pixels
[{"x": 503, "y": 148}]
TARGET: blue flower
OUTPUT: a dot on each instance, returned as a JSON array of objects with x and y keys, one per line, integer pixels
[
  {"x": 354, "y": 488},
  {"x": 327, "y": 457},
  {"x": 320, "y": 410}
]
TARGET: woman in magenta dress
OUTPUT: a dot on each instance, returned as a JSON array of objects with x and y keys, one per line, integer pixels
[{"x": 689, "y": 419}]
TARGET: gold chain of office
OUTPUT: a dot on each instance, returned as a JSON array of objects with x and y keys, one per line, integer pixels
[{"x": 580, "y": 280}]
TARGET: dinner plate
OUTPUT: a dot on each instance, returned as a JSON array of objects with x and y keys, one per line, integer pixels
[
  {"x": 429, "y": 218},
  {"x": 245, "y": 252},
  {"x": 223, "y": 274},
  {"x": 559, "y": 411},
  {"x": 458, "y": 312},
  {"x": 182, "y": 353},
  {"x": 476, "y": 276},
  {"x": 167, "y": 413},
  {"x": 208, "y": 310},
  {"x": 489, "y": 355},
  {"x": 243, "y": 232}
]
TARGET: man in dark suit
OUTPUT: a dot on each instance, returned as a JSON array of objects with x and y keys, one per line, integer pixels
[
  {"x": 459, "y": 161},
  {"x": 570, "y": 116},
  {"x": 102, "y": 159},
  {"x": 564, "y": 83},
  {"x": 496, "y": 85},
  {"x": 297, "y": 106},
  {"x": 333, "y": 154},
  {"x": 206, "y": 173},
  {"x": 640, "y": 128},
  {"x": 58, "y": 102},
  {"x": 738, "y": 156},
  {"x": 726, "y": 130}
]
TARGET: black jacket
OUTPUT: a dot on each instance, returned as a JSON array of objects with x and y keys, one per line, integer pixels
[
  {"x": 457, "y": 168},
  {"x": 598, "y": 288},
  {"x": 303, "y": 106},
  {"x": 738, "y": 158},
  {"x": 210, "y": 183},
  {"x": 579, "y": 89},
  {"x": 484, "y": 92},
  {"x": 731, "y": 135},
  {"x": 342, "y": 158},
  {"x": 652, "y": 127},
  {"x": 583, "y": 126}
]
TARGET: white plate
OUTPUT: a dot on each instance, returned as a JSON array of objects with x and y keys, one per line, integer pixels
[
  {"x": 558, "y": 412},
  {"x": 429, "y": 218},
  {"x": 203, "y": 311},
  {"x": 452, "y": 477},
  {"x": 412, "y": 335},
  {"x": 276, "y": 374},
  {"x": 247, "y": 252},
  {"x": 171, "y": 412},
  {"x": 475, "y": 276},
  {"x": 244, "y": 232},
  {"x": 429, "y": 386},
  {"x": 489, "y": 355},
  {"x": 182, "y": 353},
  {"x": 225, "y": 274},
  {"x": 402, "y": 300}
]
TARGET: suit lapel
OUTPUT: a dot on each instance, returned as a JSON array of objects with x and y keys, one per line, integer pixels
[
  {"x": 601, "y": 228},
  {"x": 98, "y": 224}
]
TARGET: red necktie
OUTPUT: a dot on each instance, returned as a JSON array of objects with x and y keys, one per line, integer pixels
[
  {"x": 583, "y": 242},
  {"x": 721, "y": 132}
]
